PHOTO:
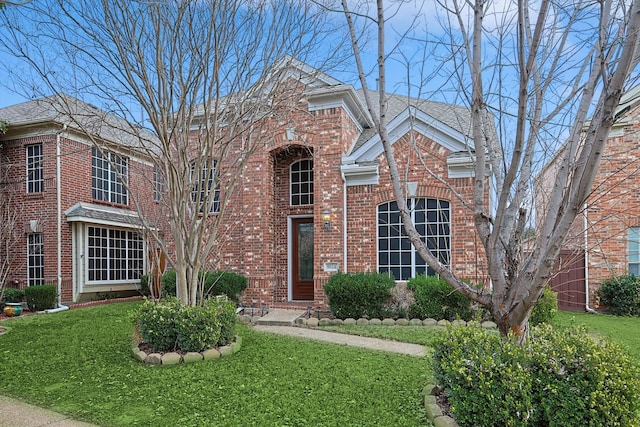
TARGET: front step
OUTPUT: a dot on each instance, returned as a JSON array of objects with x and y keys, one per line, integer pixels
[{"x": 280, "y": 317}]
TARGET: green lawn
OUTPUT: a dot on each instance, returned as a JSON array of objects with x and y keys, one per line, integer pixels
[{"x": 79, "y": 363}]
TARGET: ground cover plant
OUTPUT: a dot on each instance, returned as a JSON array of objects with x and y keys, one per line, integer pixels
[{"x": 79, "y": 362}]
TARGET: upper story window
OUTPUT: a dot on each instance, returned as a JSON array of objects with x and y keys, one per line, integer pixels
[
  {"x": 109, "y": 176},
  {"x": 634, "y": 250},
  {"x": 396, "y": 255},
  {"x": 35, "y": 169},
  {"x": 301, "y": 174},
  {"x": 158, "y": 184},
  {"x": 205, "y": 193}
]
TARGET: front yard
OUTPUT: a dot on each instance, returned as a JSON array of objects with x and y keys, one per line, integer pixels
[{"x": 79, "y": 362}]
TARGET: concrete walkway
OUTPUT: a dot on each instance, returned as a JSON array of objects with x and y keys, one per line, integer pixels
[
  {"x": 14, "y": 413},
  {"x": 344, "y": 339}
]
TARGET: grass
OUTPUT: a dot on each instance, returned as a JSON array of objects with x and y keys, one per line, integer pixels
[
  {"x": 79, "y": 363},
  {"x": 411, "y": 334}
]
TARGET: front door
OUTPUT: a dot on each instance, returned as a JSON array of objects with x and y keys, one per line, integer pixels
[{"x": 302, "y": 259}]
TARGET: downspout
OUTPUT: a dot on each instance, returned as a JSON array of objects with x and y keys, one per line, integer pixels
[
  {"x": 586, "y": 261},
  {"x": 344, "y": 221},
  {"x": 59, "y": 221}
]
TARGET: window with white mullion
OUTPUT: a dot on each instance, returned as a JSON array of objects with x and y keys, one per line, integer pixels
[
  {"x": 301, "y": 182},
  {"x": 35, "y": 169},
  {"x": 114, "y": 254},
  {"x": 109, "y": 176},
  {"x": 396, "y": 255},
  {"x": 35, "y": 259}
]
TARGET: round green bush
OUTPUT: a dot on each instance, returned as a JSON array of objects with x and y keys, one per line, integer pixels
[
  {"x": 621, "y": 295},
  {"x": 41, "y": 297},
  {"x": 358, "y": 295},
  {"x": 545, "y": 309},
  {"x": 225, "y": 283},
  {"x": 225, "y": 311},
  {"x": 559, "y": 378},
  {"x": 158, "y": 323},
  {"x": 12, "y": 295},
  {"x": 168, "y": 283},
  {"x": 198, "y": 328},
  {"x": 436, "y": 299}
]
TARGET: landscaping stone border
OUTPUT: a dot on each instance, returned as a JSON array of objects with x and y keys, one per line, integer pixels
[
  {"x": 174, "y": 358},
  {"x": 314, "y": 322},
  {"x": 433, "y": 410}
]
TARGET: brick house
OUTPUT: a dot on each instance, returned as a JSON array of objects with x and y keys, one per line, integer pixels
[
  {"x": 605, "y": 237},
  {"x": 81, "y": 230},
  {"x": 316, "y": 199}
]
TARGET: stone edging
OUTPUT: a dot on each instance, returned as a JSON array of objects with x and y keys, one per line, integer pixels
[
  {"x": 313, "y": 322},
  {"x": 173, "y": 358},
  {"x": 432, "y": 409}
]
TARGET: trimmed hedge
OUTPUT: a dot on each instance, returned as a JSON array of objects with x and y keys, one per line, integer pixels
[
  {"x": 436, "y": 299},
  {"x": 621, "y": 295},
  {"x": 12, "y": 295},
  {"x": 41, "y": 297},
  {"x": 225, "y": 283},
  {"x": 560, "y": 378},
  {"x": 358, "y": 295},
  {"x": 168, "y": 325}
]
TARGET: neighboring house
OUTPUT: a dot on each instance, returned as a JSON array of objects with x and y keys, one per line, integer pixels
[
  {"x": 81, "y": 231},
  {"x": 605, "y": 237},
  {"x": 315, "y": 200}
]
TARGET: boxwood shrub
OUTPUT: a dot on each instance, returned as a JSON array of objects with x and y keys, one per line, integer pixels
[
  {"x": 12, "y": 295},
  {"x": 545, "y": 309},
  {"x": 358, "y": 295},
  {"x": 560, "y": 378},
  {"x": 169, "y": 325},
  {"x": 225, "y": 283},
  {"x": 436, "y": 299},
  {"x": 621, "y": 295},
  {"x": 41, "y": 297}
]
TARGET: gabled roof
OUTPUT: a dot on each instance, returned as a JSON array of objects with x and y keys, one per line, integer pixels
[{"x": 66, "y": 110}]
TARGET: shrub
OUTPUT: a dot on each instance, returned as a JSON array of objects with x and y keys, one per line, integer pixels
[
  {"x": 198, "y": 328},
  {"x": 621, "y": 294},
  {"x": 168, "y": 283},
  {"x": 144, "y": 285},
  {"x": 158, "y": 323},
  {"x": 545, "y": 309},
  {"x": 225, "y": 283},
  {"x": 358, "y": 295},
  {"x": 436, "y": 299},
  {"x": 484, "y": 378},
  {"x": 13, "y": 295},
  {"x": 225, "y": 311},
  {"x": 560, "y": 378},
  {"x": 41, "y": 297}
]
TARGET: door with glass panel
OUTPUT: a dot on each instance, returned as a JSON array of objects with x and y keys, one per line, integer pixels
[{"x": 302, "y": 259}]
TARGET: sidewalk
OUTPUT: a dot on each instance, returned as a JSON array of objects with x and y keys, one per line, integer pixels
[{"x": 19, "y": 414}]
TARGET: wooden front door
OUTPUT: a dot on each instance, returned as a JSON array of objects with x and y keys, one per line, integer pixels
[{"x": 302, "y": 259}]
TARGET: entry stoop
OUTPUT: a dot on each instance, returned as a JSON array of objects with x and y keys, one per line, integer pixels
[{"x": 280, "y": 317}]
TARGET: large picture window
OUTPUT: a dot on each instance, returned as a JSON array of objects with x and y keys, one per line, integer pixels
[
  {"x": 110, "y": 174},
  {"x": 35, "y": 170},
  {"x": 396, "y": 255},
  {"x": 35, "y": 259},
  {"x": 302, "y": 183},
  {"x": 114, "y": 254}
]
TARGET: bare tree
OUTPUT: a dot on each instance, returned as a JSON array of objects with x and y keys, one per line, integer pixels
[
  {"x": 208, "y": 78},
  {"x": 545, "y": 74},
  {"x": 9, "y": 215}
]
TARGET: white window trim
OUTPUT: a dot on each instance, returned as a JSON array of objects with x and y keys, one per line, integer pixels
[{"x": 310, "y": 182}]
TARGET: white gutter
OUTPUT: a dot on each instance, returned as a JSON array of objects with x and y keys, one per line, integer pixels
[
  {"x": 344, "y": 222},
  {"x": 586, "y": 261},
  {"x": 59, "y": 214}
]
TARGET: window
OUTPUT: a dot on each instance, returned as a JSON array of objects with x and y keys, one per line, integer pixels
[
  {"x": 35, "y": 173},
  {"x": 634, "y": 250},
  {"x": 396, "y": 254},
  {"x": 158, "y": 184},
  {"x": 114, "y": 254},
  {"x": 202, "y": 188},
  {"x": 302, "y": 182},
  {"x": 109, "y": 173},
  {"x": 35, "y": 259}
]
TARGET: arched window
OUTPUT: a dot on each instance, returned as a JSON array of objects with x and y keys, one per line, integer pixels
[
  {"x": 396, "y": 254},
  {"x": 301, "y": 174}
]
